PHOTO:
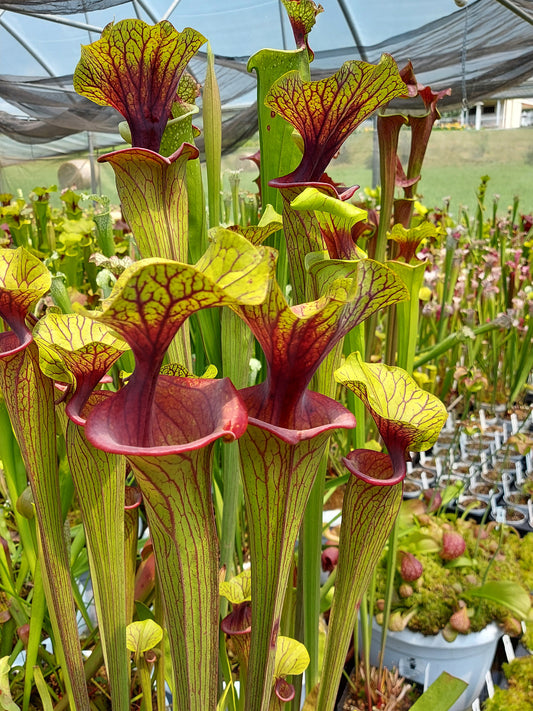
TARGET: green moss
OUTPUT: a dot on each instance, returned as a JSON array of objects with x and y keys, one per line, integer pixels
[
  {"x": 527, "y": 638},
  {"x": 519, "y": 695},
  {"x": 490, "y": 554}
]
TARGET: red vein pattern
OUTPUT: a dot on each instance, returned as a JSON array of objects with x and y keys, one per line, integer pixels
[{"x": 136, "y": 68}]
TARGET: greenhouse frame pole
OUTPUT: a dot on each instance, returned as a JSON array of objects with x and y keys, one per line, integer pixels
[{"x": 90, "y": 146}]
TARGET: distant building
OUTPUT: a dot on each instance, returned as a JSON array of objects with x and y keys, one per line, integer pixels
[{"x": 508, "y": 108}]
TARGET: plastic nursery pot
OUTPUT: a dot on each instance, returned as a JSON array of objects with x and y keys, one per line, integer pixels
[
  {"x": 463, "y": 469},
  {"x": 513, "y": 517},
  {"x": 427, "y": 461},
  {"x": 450, "y": 480},
  {"x": 480, "y": 442},
  {"x": 472, "y": 504},
  {"x": 491, "y": 476},
  {"x": 484, "y": 491},
  {"x": 517, "y": 500},
  {"x": 422, "y": 658},
  {"x": 444, "y": 442},
  {"x": 411, "y": 489},
  {"x": 417, "y": 474}
]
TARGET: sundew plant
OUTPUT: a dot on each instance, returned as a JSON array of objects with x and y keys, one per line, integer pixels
[{"x": 149, "y": 387}]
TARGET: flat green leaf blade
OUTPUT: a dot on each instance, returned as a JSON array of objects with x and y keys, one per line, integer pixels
[
  {"x": 441, "y": 695},
  {"x": 507, "y": 593}
]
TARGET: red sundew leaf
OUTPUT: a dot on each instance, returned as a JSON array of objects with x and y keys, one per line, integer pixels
[
  {"x": 296, "y": 339},
  {"x": 136, "y": 68},
  {"x": 407, "y": 417},
  {"x": 75, "y": 347},
  {"x": 325, "y": 112}
]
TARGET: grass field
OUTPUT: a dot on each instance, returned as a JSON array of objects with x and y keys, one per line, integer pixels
[{"x": 455, "y": 162}]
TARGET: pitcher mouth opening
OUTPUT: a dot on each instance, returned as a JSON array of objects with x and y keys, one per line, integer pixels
[
  {"x": 187, "y": 414},
  {"x": 318, "y": 414}
]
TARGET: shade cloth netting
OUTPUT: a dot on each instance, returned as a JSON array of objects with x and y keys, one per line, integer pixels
[{"x": 477, "y": 51}]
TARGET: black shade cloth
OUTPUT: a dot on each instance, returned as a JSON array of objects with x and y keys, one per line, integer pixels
[{"x": 476, "y": 51}]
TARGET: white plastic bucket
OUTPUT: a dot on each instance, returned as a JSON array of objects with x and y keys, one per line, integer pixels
[{"x": 422, "y": 658}]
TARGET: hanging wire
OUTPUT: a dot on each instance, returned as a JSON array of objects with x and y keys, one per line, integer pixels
[
  {"x": 464, "y": 100},
  {"x": 282, "y": 26}
]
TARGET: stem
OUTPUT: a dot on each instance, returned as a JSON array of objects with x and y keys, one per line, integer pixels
[
  {"x": 368, "y": 513},
  {"x": 177, "y": 494},
  {"x": 449, "y": 342},
  {"x": 278, "y": 477},
  {"x": 146, "y": 682}
]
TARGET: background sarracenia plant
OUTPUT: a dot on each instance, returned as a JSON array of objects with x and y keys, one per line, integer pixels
[{"x": 155, "y": 418}]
